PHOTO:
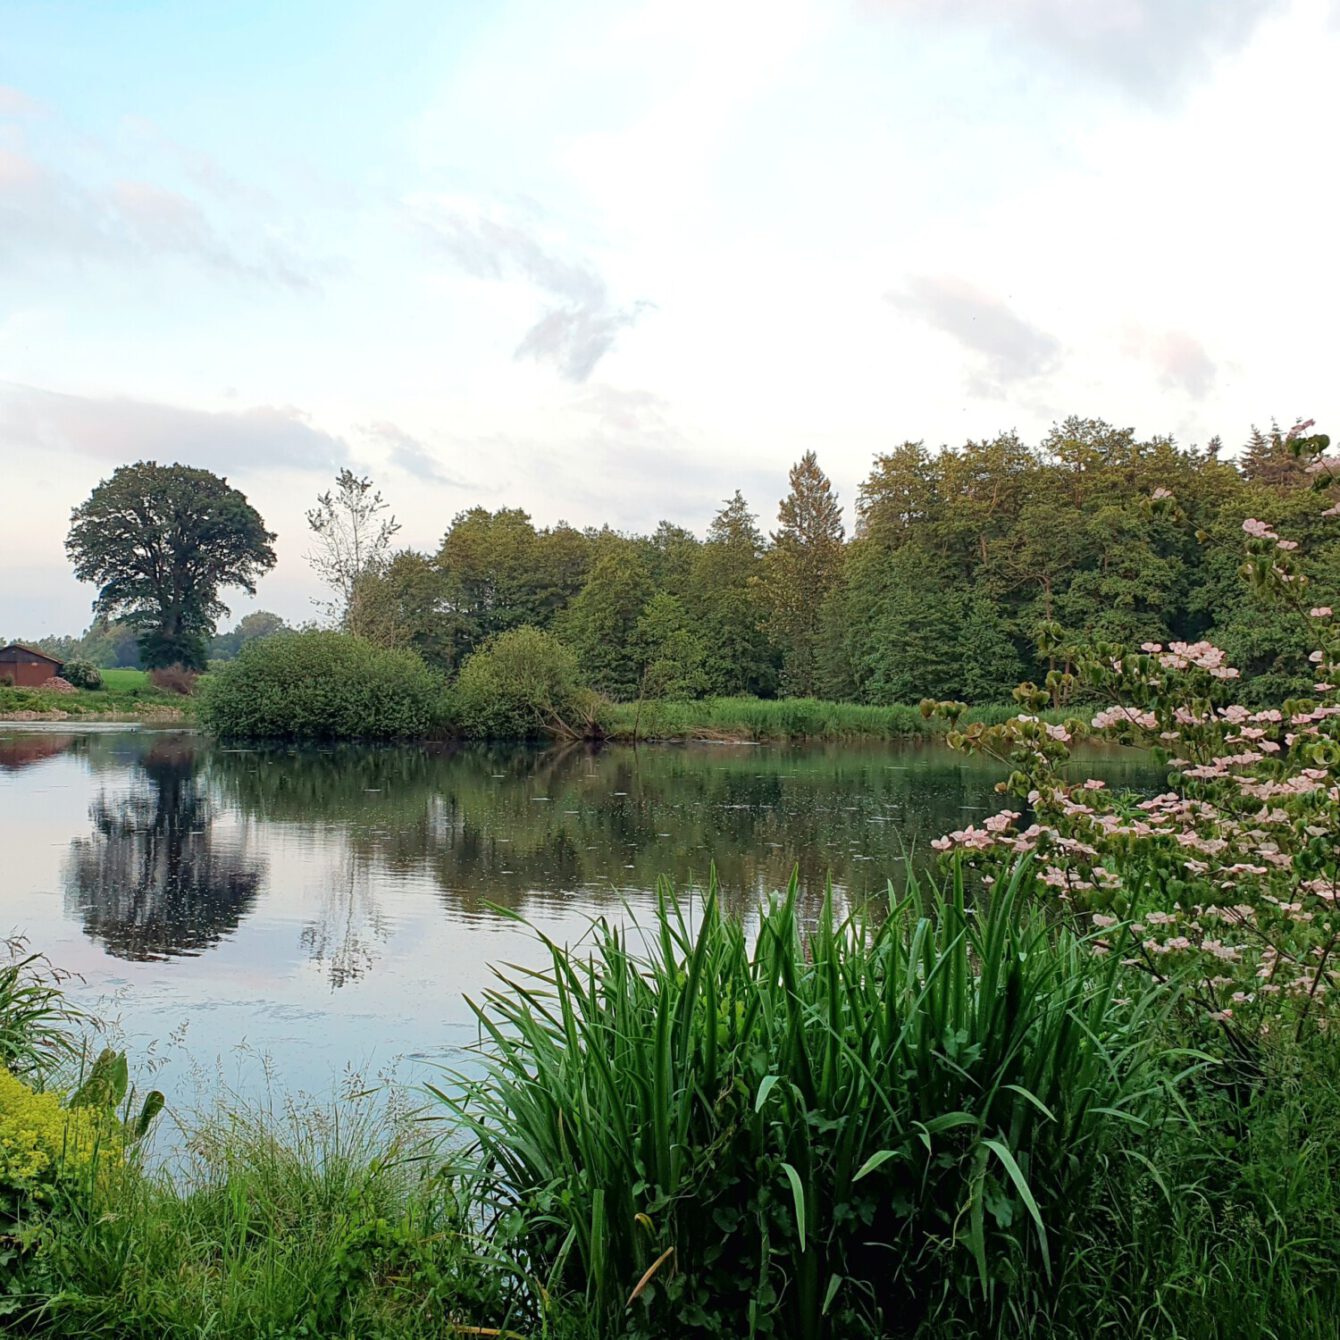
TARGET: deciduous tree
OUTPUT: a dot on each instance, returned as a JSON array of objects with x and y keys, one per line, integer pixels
[
  {"x": 161, "y": 541},
  {"x": 352, "y": 537}
]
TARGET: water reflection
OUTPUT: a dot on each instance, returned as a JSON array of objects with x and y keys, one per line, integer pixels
[
  {"x": 344, "y": 940},
  {"x": 529, "y": 829},
  {"x": 153, "y": 879},
  {"x": 184, "y": 832},
  {"x": 24, "y": 749},
  {"x": 335, "y": 907}
]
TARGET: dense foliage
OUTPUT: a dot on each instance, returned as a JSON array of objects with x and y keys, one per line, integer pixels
[
  {"x": 321, "y": 686},
  {"x": 958, "y": 558},
  {"x": 850, "y": 1130},
  {"x": 788, "y": 1126},
  {"x": 159, "y": 541},
  {"x": 82, "y": 674},
  {"x": 521, "y": 684}
]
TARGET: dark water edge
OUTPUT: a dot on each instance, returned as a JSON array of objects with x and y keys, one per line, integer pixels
[{"x": 293, "y": 919}]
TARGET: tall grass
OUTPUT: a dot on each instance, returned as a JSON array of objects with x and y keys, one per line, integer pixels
[
  {"x": 859, "y": 1127},
  {"x": 38, "y": 1026},
  {"x": 310, "y": 1223},
  {"x": 780, "y": 719}
]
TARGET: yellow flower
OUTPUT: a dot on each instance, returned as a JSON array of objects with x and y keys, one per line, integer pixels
[{"x": 43, "y": 1144}]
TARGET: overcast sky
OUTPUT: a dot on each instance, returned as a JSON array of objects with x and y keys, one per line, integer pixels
[{"x": 609, "y": 261}]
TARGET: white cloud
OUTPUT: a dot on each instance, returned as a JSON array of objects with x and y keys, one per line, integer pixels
[
  {"x": 576, "y": 332},
  {"x": 263, "y": 437},
  {"x": 1010, "y": 349},
  {"x": 1153, "y": 48},
  {"x": 49, "y": 216}
]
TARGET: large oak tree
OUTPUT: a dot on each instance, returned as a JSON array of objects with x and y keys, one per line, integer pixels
[{"x": 160, "y": 541}]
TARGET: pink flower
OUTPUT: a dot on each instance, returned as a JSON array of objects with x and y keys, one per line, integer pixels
[
  {"x": 1286, "y": 544},
  {"x": 1258, "y": 529},
  {"x": 1320, "y": 612}
]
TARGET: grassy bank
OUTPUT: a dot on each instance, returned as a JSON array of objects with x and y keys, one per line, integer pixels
[
  {"x": 126, "y": 695},
  {"x": 779, "y": 719},
  {"x": 920, "y": 1124}
]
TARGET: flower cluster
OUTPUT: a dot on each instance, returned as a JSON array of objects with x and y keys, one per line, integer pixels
[{"x": 43, "y": 1144}]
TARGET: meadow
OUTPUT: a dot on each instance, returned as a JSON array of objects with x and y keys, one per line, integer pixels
[{"x": 126, "y": 695}]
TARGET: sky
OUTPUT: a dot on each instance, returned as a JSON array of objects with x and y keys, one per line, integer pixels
[{"x": 610, "y": 261}]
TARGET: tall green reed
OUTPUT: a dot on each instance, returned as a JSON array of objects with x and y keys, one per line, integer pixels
[
  {"x": 847, "y": 1127},
  {"x": 39, "y": 1028}
]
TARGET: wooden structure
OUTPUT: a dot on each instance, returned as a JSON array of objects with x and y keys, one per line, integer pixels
[{"x": 26, "y": 667}]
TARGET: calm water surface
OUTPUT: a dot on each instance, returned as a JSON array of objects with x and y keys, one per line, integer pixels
[{"x": 333, "y": 908}]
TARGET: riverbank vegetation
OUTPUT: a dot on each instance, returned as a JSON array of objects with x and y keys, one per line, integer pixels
[
  {"x": 317, "y": 685},
  {"x": 913, "y": 1120},
  {"x": 957, "y": 558}
]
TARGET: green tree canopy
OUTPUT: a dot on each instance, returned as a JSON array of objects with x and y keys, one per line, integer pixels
[
  {"x": 160, "y": 541},
  {"x": 729, "y": 595},
  {"x": 802, "y": 567}
]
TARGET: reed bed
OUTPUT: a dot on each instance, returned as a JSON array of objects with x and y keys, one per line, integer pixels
[{"x": 843, "y": 1124}]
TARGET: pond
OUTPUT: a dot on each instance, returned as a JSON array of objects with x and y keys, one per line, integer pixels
[{"x": 295, "y": 917}]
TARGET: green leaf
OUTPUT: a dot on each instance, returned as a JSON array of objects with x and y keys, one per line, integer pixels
[
  {"x": 1002, "y": 1152},
  {"x": 798, "y": 1195},
  {"x": 152, "y": 1106},
  {"x": 834, "y": 1284},
  {"x": 764, "y": 1089},
  {"x": 877, "y": 1161}
]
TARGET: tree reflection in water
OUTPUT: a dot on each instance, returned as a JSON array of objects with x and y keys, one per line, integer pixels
[
  {"x": 343, "y": 940},
  {"x": 154, "y": 880}
]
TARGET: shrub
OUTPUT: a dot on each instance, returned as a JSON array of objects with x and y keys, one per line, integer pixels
[
  {"x": 521, "y": 684},
  {"x": 43, "y": 1144},
  {"x": 174, "y": 679},
  {"x": 321, "y": 686},
  {"x": 82, "y": 674},
  {"x": 884, "y": 1122}
]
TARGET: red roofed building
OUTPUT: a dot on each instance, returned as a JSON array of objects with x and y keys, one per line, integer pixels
[{"x": 26, "y": 667}]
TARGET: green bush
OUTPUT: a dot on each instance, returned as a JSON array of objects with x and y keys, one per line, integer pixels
[
  {"x": 321, "y": 686},
  {"x": 520, "y": 685},
  {"x": 82, "y": 674},
  {"x": 854, "y": 1130}
]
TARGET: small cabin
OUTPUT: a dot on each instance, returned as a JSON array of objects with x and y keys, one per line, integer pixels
[{"x": 26, "y": 667}]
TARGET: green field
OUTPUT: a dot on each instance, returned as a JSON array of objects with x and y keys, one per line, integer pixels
[
  {"x": 124, "y": 681},
  {"x": 126, "y": 694}
]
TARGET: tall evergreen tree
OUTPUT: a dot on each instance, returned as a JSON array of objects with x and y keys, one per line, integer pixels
[
  {"x": 1267, "y": 459},
  {"x": 802, "y": 567},
  {"x": 728, "y": 582}
]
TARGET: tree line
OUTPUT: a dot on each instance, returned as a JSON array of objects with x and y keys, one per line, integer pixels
[{"x": 958, "y": 557}]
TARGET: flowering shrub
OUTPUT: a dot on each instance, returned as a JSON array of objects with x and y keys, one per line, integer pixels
[
  {"x": 1230, "y": 879},
  {"x": 44, "y": 1144}
]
